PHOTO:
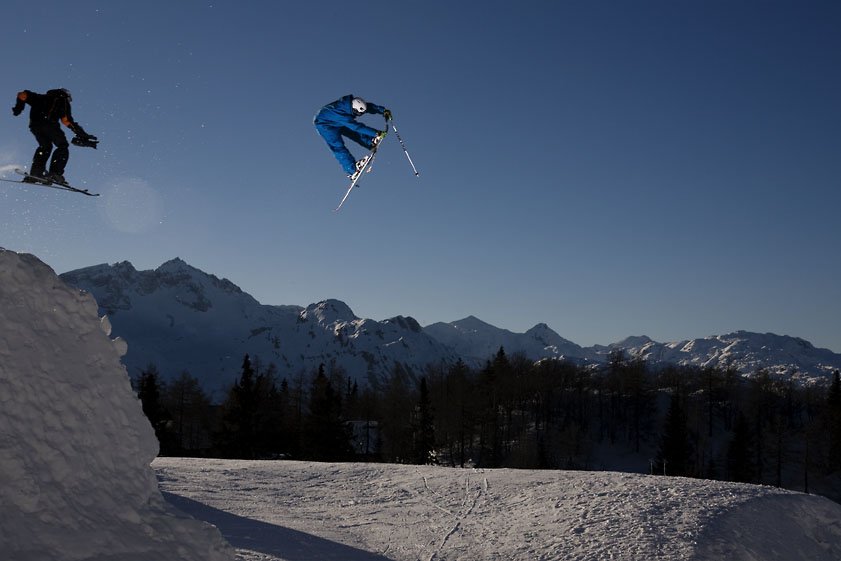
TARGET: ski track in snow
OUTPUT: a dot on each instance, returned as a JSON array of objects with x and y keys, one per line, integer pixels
[{"x": 378, "y": 512}]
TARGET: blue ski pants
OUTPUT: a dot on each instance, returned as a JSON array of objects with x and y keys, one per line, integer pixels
[{"x": 332, "y": 134}]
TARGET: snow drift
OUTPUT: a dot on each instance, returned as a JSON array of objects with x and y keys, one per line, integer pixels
[{"x": 75, "y": 448}]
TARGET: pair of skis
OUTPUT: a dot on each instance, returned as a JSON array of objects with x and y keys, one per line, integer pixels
[
  {"x": 366, "y": 167},
  {"x": 39, "y": 182}
]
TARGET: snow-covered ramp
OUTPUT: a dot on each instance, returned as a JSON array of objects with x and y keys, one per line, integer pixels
[{"x": 75, "y": 448}]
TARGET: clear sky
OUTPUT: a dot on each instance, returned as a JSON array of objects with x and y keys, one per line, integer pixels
[{"x": 669, "y": 168}]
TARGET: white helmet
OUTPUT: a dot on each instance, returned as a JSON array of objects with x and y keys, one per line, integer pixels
[{"x": 359, "y": 105}]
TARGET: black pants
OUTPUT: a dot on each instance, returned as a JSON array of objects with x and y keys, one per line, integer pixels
[{"x": 47, "y": 135}]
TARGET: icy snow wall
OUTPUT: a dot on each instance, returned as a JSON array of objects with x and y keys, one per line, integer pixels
[{"x": 75, "y": 448}]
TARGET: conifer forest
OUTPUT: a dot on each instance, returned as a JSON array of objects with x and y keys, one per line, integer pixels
[{"x": 514, "y": 413}]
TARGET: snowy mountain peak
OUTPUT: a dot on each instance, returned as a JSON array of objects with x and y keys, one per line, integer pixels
[
  {"x": 744, "y": 351},
  {"x": 405, "y": 322},
  {"x": 177, "y": 271},
  {"x": 633, "y": 341},
  {"x": 542, "y": 332},
  {"x": 781, "y": 342},
  {"x": 122, "y": 269},
  {"x": 175, "y": 265},
  {"x": 472, "y": 323},
  {"x": 329, "y": 312},
  {"x": 554, "y": 343},
  {"x": 475, "y": 341},
  {"x": 117, "y": 286}
]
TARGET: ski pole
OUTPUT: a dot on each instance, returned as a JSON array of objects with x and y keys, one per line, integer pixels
[{"x": 411, "y": 163}]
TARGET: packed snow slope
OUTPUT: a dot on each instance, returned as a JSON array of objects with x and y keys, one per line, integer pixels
[
  {"x": 300, "y": 511},
  {"x": 75, "y": 449}
]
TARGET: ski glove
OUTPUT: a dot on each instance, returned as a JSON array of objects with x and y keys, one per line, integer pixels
[
  {"x": 18, "y": 108},
  {"x": 387, "y": 115},
  {"x": 86, "y": 140}
]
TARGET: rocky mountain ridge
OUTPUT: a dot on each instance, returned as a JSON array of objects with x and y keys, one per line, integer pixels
[{"x": 181, "y": 318}]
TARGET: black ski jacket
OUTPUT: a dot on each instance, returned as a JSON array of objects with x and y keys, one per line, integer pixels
[{"x": 48, "y": 108}]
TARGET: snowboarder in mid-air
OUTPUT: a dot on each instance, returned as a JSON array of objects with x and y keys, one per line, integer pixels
[
  {"x": 338, "y": 119},
  {"x": 48, "y": 110}
]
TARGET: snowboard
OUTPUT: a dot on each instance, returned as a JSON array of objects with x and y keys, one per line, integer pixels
[{"x": 52, "y": 185}]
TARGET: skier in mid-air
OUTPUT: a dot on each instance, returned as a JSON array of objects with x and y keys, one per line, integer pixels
[
  {"x": 48, "y": 110},
  {"x": 338, "y": 119}
]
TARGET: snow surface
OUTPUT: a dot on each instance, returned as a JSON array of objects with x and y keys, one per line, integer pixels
[
  {"x": 76, "y": 482},
  {"x": 75, "y": 448},
  {"x": 300, "y": 511}
]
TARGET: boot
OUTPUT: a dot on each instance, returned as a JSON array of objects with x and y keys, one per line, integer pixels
[
  {"x": 36, "y": 177},
  {"x": 55, "y": 177},
  {"x": 359, "y": 166},
  {"x": 377, "y": 139}
]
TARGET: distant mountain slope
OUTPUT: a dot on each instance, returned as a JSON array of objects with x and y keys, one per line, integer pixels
[
  {"x": 180, "y": 318},
  {"x": 744, "y": 351},
  {"x": 477, "y": 341}
]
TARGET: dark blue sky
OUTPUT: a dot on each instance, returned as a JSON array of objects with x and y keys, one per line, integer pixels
[{"x": 668, "y": 168}]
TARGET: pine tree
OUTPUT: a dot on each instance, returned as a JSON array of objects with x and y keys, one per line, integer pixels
[
  {"x": 287, "y": 434},
  {"x": 236, "y": 438},
  {"x": 149, "y": 388},
  {"x": 326, "y": 437},
  {"x": 270, "y": 408},
  {"x": 760, "y": 398},
  {"x": 740, "y": 452},
  {"x": 834, "y": 396},
  {"x": 190, "y": 408},
  {"x": 490, "y": 433},
  {"x": 639, "y": 399},
  {"x": 458, "y": 413},
  {"x": 833, "y": 402},
  {"x": 674, "y": 453},
  {"x": 424, "y": 428},
  {"x": 398, "y": 404}
]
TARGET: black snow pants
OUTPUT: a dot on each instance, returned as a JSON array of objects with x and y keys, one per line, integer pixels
[{"x": 47, "y": 135}]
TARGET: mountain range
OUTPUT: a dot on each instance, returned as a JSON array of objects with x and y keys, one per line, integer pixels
[{"x": 180, "y": 318}]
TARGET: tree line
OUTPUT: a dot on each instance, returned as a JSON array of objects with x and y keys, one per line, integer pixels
[{"x": 513, "y": 412}]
